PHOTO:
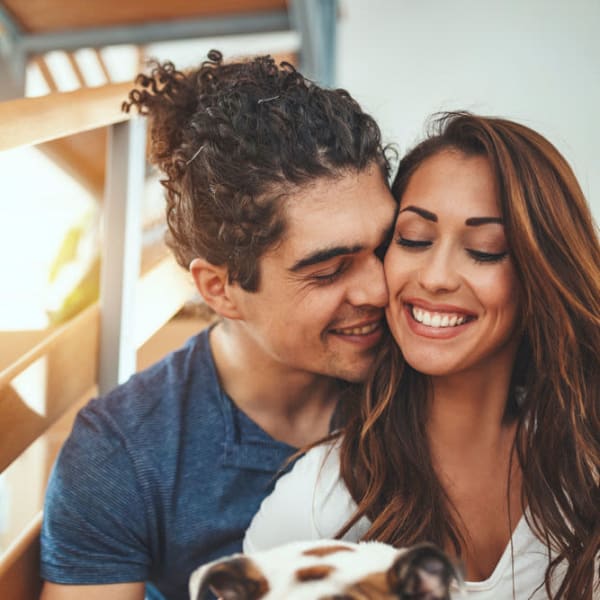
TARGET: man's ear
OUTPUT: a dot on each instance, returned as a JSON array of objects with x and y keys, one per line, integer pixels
[{"x": 213, "y": 284}]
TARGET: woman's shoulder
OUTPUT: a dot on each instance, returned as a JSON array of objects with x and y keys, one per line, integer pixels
[
  {"x": 331, "y": 503},
  {"x": 323, "y": 459},
  {"x": 317, "y": 471},
  {"x": 310, "y": 502}
]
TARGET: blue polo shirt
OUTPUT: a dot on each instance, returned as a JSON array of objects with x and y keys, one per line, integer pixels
[{"x": 159, "y": 476}]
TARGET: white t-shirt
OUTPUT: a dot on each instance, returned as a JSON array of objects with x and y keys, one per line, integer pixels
[{"x": 311, "y": 502}]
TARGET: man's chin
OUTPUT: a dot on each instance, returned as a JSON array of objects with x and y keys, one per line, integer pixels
[{"x": 354, "y": 373}]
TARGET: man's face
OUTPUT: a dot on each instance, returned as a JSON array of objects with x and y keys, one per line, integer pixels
[{"x": 320, "y": 304}]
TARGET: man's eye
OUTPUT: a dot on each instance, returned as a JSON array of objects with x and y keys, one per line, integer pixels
[
  {"x": 324, "y": 278},
  {"x": 408, "y": 243}
]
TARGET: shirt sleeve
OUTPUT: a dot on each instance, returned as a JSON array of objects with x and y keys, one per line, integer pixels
[
  {"x": 309, "y": 503},
  {"x": 95, "y": 527}
]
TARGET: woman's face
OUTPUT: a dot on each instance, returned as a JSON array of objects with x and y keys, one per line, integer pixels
[{"x": 453, "y": 289}]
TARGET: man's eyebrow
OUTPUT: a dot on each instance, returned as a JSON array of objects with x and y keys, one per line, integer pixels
[
  {"x": 324, "y": 255},
  {"x": 421, "y": 212},
  {"x": 475, "y": 221}
]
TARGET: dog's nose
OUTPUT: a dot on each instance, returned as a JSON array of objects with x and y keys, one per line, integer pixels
[{"x": 423, "y": 572}]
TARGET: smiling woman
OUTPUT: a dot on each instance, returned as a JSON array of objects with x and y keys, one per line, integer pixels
[
  {"x": 449, "y": 272},
  {"x": 479, "y": 428}
]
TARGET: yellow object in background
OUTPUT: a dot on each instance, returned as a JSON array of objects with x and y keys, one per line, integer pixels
[{"x": 74, "y": 275}]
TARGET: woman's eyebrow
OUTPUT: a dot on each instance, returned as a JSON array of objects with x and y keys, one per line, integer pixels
[
  {"x": 421, "y": 212},
  {"x": 475, "y": 221},
  {"x": 471, "y": 222}
]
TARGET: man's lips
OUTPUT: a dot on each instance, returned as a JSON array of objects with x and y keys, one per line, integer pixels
[
  {"x": 362, "y": 335},
  {"x": 358, "y": 329}
]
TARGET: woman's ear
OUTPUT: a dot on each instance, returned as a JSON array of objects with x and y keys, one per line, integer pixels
[{"x": 213, "y": 284}]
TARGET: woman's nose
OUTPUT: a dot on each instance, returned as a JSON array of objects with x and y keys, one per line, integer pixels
[{"x": 438, "y": 272}]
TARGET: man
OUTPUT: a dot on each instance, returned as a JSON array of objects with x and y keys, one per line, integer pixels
[{"x": 277, "y": 202}]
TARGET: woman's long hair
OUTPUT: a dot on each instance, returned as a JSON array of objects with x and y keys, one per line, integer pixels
[{"x": 385, "y": 458}]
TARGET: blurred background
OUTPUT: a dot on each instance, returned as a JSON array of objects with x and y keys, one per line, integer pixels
[{"x": 534, "y": 61}]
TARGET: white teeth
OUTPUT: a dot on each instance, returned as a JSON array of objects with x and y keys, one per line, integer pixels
[
  {"x": 437, "y": 319},
  {"x": 365, "y": 330}
]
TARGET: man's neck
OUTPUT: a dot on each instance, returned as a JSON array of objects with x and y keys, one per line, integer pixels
[{"x": 291, "y": 405}]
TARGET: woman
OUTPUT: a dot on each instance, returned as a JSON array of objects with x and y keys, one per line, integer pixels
[{"x": 480, "y": 427}]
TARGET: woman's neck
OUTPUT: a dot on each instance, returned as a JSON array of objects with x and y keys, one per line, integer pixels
[
  {"x": 472, "y": 449},
  {"x": 467, "y": 411}
]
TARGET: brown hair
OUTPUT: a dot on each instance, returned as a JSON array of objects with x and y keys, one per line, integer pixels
[
  {"x": 232, "y": 140},
  {"x": 385, "y": 459}
]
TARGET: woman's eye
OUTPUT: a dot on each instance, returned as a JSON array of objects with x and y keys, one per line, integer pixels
[
  {"x": 486, "y": 257},
  {"x": 408, "y": 243}
]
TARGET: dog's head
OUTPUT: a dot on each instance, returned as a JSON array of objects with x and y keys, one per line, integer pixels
[{"x": 329, "y": 570}]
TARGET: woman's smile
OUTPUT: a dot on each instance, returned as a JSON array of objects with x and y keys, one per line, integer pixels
[{"x": 436, "y": 322}]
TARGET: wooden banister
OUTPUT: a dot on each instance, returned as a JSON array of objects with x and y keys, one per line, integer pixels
[
  {"x": 30, "y": 121},
  {"x": 72, "y": 352},
  {"x": 45, "y": 345},
  {"x": 19, "y": 574}
]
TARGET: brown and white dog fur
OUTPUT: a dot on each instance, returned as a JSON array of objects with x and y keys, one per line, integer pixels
[{"x": 329, "y": 570}]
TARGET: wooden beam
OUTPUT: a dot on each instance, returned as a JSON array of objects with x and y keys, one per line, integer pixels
[
  {"x": 42, "y": 65},
  {"x": 75, "y": 343},
  {"x": 81, "y": 156},
  {"x": 35, "y": 16},
  {"x": 76, "y": 69},
  {"x": 19, "y": 422},
  {"x": 19, "y": 567},
  {"x": 54, "y": 337},
  {"x": 14, "y": 344},
  {"x": 162, "y": 291},
  {"x": 19, "y": 563},
  {"x": 102, "y": 64},
  {"x": 30, "y": 121}
]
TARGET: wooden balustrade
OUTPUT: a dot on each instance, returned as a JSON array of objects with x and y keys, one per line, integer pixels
[
  {"x": 30, "y": 121},
  {"x": 71, "y": 353}
]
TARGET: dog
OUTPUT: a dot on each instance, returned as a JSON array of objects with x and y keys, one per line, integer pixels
[{"x": 329, "y": 570}]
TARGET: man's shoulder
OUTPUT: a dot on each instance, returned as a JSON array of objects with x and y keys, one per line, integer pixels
[
  {"x": 183, "y": 382},
  {"x": 191, "y": 364}
]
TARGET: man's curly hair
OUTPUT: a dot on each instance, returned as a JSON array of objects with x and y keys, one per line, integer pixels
[{"x": 233, "y": 139}]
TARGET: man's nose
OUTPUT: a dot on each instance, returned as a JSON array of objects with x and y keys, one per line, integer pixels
[{"x": 368, "y": 287}]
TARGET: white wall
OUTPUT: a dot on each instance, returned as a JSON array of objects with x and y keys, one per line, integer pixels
[{"x": 534, "y": 61}]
